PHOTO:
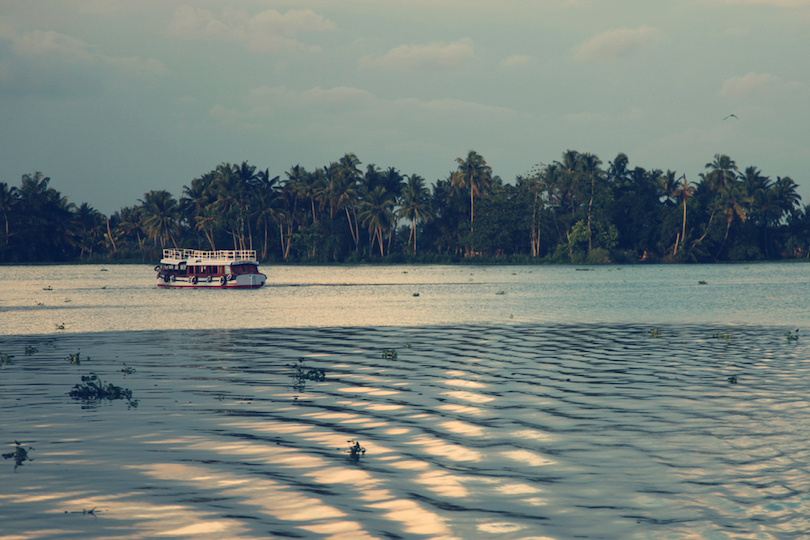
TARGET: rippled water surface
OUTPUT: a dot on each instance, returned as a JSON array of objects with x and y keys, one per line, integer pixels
[{"x": 498, "y": 417}]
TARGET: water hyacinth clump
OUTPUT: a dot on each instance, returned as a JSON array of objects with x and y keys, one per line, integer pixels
[
  {"x": 20, "y": 455},
  {"x": 355, "y": 451},
  {"x": 94, "y": 389},
  {"x": 76, "y": 358}
]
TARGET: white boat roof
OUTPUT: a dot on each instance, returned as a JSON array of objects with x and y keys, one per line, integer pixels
[{"x": 192, "y": 256}]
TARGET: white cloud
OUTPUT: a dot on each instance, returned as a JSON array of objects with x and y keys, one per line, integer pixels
[
  {"x": 515, "y": 61},
  {"x": 431, "y": 56},
  {"x": 268, "y": 31},
  {"x": 778, "y": 3},
  {"x": 39, "y": 45},
  {"x": 753, "y": 86},
  {"x": 618, "y": 43},
  {"x": 53, "y": 63}
]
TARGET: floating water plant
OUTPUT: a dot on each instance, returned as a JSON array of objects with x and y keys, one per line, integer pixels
[
  {"x": 792, "y": 336},
  {"x": 29, "y": 350},
  {"x": 19, "y": 455},
  {"x": 76, "y": 358},
  {"x": 85, "y": 512},
  {"x": 733, "y": 379},
  {"x": 127, "y": 370},
  {"x": 389, "y": 354},
  {"x": 94, "y": 389},
  {"x": 5, "y": 359},
  {"x": 302, "y": 374},
  {"x": 654, "y": 333},
  {"x": 722, "y": 335},
  {"x": 355, "y": 450}
]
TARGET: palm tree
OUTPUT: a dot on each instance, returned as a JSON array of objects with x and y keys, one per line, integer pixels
[
  {"x": 228, "y": 190},
  {"x": 787, "y": 197},
  {"x": 670, "y": 185},
  {"x": 8, "y": 198},
  {"x": 377, "y": 214},
  {"x": 267, "y": 203},
  {"x": 87, "y": 227},
  {"x": 683, "y": 191},
  {"x": 346, "y": 197},
  {"x": 129, "y": 224},
  {"x": 590, "y": 166},
  {"x": 195, "y": 202},
  {"x": 723, "y": 171},
  {"x": 734, "y": 202},
  {"x": 415, "y": 205},
  {"x": 289, "y": 195},
  {"x": 475, "y": 174},
  {"x": 159, "y": 216}
]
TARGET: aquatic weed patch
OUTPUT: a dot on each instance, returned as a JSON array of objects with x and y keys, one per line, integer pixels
[
  {"x": 302, "y": 374},
  {"x": 355, "y": 451},
  {"x": 94, "y": 390},
  {"x": 76, "y": 358},
  {"x": 20, "y": 455}
]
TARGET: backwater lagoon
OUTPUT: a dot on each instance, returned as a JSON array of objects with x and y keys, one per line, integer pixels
[{"x": 509, "y": 402}]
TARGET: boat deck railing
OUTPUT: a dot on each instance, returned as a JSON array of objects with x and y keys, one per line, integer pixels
[{"x": 223, "y": 254}]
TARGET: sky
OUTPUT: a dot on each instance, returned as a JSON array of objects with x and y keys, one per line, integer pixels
[{"x": 114, "y": 98}]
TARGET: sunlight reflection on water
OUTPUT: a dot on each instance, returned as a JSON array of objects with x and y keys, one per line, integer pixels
[{"x": 514, "y": 430}]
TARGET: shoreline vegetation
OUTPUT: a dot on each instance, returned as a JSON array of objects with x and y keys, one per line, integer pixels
[{"x": 572, "y": 211}]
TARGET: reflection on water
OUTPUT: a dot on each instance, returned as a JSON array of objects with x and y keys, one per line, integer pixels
[{"x": 514, "y": 431}]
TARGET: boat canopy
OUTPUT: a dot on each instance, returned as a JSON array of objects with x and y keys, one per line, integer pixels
[{"x": 199, "y": 256}]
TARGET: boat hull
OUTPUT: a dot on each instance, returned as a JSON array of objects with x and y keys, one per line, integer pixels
[{"x": 244, "y": 281}]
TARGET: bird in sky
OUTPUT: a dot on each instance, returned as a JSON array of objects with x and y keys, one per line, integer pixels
[{"x": 731, "y": 116}]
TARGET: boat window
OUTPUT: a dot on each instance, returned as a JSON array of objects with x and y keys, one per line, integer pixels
[{"x": 244, "y": 269}]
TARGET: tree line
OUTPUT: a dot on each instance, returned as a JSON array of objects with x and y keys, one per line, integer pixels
[{"x": 574, "y": 210}]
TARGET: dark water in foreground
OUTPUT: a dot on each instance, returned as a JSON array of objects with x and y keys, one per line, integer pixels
[{"x": 513, "y": 431}]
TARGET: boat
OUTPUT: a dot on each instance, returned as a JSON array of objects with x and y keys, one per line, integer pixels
[{"x": 224, "y": 269}]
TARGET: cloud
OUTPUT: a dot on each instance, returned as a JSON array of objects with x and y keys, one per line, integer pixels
[
  {"x": 47, "y": 62},
  {"x": 777, "y": 3},
  {"x": 618, "y": 43},
  {"x": 319, "y": 112},
  {"x": 429, "y": 56},
  {"x": 753, "y": 86},
  {"x": 517, "y": 60},
  {"x": 268, "y": 31}
]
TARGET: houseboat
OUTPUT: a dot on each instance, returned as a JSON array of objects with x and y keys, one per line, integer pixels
[{"x": 234, "y": 269}]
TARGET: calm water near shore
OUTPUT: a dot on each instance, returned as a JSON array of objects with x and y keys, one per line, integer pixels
[
  {"x": 522, "y": 403},
  {"x": 97, "y": 298}
]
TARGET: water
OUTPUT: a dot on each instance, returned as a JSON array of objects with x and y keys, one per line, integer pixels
[
  {"x": 96, "y": 298},
  {"x": 603, "y": 404}
]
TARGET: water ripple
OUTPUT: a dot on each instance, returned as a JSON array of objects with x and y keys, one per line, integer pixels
[{"x": 520, "y": 431}]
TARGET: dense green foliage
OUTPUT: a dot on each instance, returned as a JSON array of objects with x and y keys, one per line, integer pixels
[{"x": 571, "y": 211}]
